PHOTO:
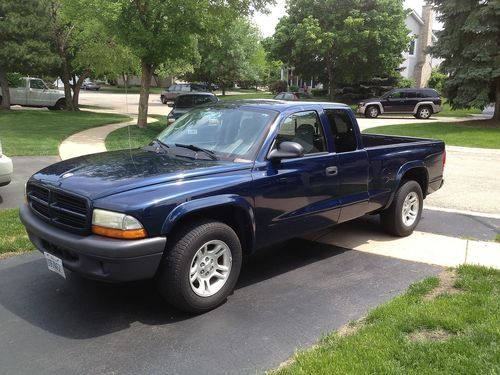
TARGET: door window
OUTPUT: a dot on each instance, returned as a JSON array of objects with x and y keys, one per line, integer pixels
[
  {"x": 397, "y": 95},
  {"x": 305, "y": 129},
  {"x": 37, "y": 84},
  {"x": 342, "y": 130}
]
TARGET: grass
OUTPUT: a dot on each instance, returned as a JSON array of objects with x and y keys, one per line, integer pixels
[
  {"x": 497, "y": 238},
  {"x": 133, "y": 136},
  {"x": 448, "y": 112},
  {"x": 13, "y": 237},
  {"x": 452, "y": 333},
  {"x": 31, "y": 132},
  {"x": 478, "y": 133}
]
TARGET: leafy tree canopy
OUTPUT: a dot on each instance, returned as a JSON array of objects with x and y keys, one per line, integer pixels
[
  {"x": 342, "y": 41},
  {"x": 469, "y": 44}
]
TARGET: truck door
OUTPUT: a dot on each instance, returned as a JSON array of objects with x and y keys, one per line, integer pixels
[
  {"x": 299, "y": 195},
  {"x": 19, "y": 93},
  {"x": 37, "y": 95},
  {"x": 353, "y": 165}
]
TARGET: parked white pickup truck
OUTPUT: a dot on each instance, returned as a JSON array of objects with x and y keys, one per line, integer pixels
[{"x": 33, "y": 92}]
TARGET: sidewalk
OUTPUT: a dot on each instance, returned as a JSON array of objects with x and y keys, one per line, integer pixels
[
  {"x": 419, "y": 247},
  {"x": 91, "y": 141}
]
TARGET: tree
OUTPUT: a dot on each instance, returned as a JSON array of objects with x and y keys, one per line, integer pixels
[
  {"x": 469, "y": 44},
  {"x": 162, "y": 31},
  {"x": 342, "y": 41},
  {"x": 85, "y": 48},
  {"x": 233, "y": 54},
  {"x": 24, "y": 41}
]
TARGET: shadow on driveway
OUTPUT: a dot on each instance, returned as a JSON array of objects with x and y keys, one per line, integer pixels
[{"x": 79, "y": 308}]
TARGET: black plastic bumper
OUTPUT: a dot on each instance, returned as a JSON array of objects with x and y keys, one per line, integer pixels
[{"x": 94, "y": 256}]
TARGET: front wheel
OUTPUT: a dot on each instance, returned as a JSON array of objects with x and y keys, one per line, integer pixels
[
  {"x": 60, "y": 105},
  {"x": 403, "y": 215},
  {"x": 372, "y": 111},
  {"x": 201, "y": 267}
]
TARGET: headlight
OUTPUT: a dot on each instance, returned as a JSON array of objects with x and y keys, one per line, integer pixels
[
  {"x": 116, "y": 225},
  {"x": 361, "y": 104}
]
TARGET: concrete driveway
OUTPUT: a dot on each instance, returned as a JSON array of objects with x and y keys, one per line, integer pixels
[{"x": 287, "y": 298}]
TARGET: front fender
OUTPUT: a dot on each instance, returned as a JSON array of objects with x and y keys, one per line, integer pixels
[{"x": 208, "y": 202}]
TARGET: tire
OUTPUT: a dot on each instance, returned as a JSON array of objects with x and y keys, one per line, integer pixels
[
  {"x": 372, "y": 111},
  {"x": 404, "y": 214},
  {"x": 184, "y": 286},
  {"x": 424, "y": 112},
  {"x": 60, "y": 105}
]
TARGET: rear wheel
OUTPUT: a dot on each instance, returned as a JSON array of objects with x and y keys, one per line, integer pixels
[
  {"x": 424, "y": 112},
  {"x": 403, "y": 215},
  {"x": 201, "y": 267},
  {"x": 372, "y": 111}
]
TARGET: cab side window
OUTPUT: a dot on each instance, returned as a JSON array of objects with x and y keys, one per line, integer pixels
[
  {"x": 342, "y": 129},
  {"x": 36, "y": 84},
  {"x": 305, "y": 129}
]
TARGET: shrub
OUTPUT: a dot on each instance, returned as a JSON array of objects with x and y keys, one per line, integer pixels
[
  {"x": 406, "y": 83},
  {"x": 278, "y": 86},
  {"x": 294, "y": 88},
  {"x": 437, "y": 80},
  {"x": 319, "y": 92}
]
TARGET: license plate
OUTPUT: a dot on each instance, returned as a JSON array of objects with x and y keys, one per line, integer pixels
[{"x": 54, "y": 264}]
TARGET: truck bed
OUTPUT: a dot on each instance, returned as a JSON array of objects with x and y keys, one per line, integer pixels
[{"x": 377, "y": 140}]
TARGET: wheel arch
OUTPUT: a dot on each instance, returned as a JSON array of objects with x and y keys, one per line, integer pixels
[
  {"x": 234, "y": 211},
  {"x": 427, "y": 104},
  {"x": 416, "y": 171},
  {"x": 378, "y": 104}
]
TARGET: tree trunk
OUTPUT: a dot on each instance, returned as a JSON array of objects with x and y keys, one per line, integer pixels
[
  {"x": 65, "y": 77},
  {"x": 223, "y": 90},
  {"x": 4, "y": 85},
  {"x": 331, "y": 84},
  {"x": 147, "y": 73},
  {"x": 77, "y": 85},
  {"x": 496, "y": 114}
]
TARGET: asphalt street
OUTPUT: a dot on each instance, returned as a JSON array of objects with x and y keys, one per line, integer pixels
[
  {"x": 287, "y": 298},
  {"x": 12, "y": 195}
]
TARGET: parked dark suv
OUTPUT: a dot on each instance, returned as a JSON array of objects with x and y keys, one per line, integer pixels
[
  {"x": 421, "y": 103},
  {"x": 183, "y": 88},
  {"x": 185, "y": 102}
]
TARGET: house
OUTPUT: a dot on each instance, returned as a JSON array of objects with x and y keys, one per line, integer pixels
[{"x": 417, "y": 64}]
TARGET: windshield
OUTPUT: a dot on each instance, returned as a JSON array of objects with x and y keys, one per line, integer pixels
[{"x": 231, "y": 134}]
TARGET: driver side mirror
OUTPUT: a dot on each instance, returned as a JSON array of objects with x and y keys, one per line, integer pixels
[{"x": 286, "y": 150}]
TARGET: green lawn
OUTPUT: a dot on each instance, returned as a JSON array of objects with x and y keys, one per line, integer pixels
[
  {"x": 479, "y": 133},
  {"x": 133, "y": 136},
  {"x": 13, "y": 237},
  {"x": 33, "y": 132},
  {"x": 457, "y": 332},
  {"x": 448, "y": 112}
]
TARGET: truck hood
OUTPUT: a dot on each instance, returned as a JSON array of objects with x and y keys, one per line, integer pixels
[{"x": 99, "y": 175}]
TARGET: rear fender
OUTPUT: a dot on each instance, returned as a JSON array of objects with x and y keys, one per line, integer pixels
[{"x": 410, "y": 167}]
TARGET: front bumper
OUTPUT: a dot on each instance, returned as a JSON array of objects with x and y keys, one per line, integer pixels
[
  {"x": 94, "y": 256},
  {"x": 361, "y": 109},
  {"x": 6, "y": 169}
]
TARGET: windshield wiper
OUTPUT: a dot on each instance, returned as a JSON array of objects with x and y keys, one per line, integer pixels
[
  {"x": 210, "y": 153},
  {"x": 159, "y": 144}
]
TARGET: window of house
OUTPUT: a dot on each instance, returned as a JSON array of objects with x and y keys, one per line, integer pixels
[
  {"x": 411, "y": 49},
  {"x": 342, "y": 130}
]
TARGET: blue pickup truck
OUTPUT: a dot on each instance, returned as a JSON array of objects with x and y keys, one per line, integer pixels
[{"x": 221, "y": 182}]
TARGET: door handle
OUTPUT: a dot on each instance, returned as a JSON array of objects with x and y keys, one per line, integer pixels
[{"x": 332, "y": 171}]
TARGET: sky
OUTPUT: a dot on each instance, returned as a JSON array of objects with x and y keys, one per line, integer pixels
[{"x": 268, "y": 22}]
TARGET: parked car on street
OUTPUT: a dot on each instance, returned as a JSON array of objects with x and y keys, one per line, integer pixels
[
  {"x": 171, "y": 92},
  {"x": 293, "y": 96},
  {"x": 186, "y": 102},
  {"x": 33, "y": 92},
  {"x": 219, "y": 183},
  {"x": 421, "y": 103},
  {"x": 91, "y": 85},
  {"x": 6, "y": 168}
]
